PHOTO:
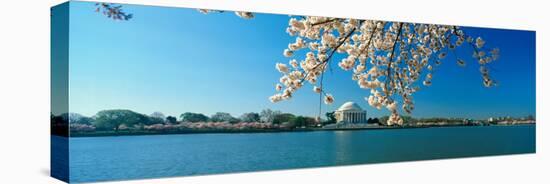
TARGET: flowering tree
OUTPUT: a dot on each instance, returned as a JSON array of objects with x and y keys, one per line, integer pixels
[
  {"x": 388, "y": 59},
  {"x": 112, "y": 11},
  {"x": 391, "y": 60}
]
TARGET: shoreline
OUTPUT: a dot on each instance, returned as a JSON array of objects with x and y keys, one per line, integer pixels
[{"x": 143, "y": 133}]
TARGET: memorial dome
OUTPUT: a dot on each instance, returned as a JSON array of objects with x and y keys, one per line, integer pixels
[{"x": 350, "y": 106}]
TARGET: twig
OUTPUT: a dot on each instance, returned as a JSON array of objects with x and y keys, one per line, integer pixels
[{"x": 324, "y": 22}]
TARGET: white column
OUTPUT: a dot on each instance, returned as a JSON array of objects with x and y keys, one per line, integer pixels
[
  {"x": 346, "y": 116},
  {"x": 343, "y": 116}
]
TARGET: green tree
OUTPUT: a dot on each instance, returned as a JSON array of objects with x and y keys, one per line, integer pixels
[
  {"x": 373, "y": 121},
  {"x": 75, "y": 118},
  {"x": 330, "y": 118},
  {"x": 282, "y": 118},
  {"x": 171, "y": 119},
  {"x": 376, "y": 121},
  {"x": 156, "y": 120},
  {"x": 157, "y": 115},
  {"x": 193, "y": 117},
  {"x": 409, "y": 120},
  {"x": 223, "y": 117},
  {"x": 268, "y": 115},
  {"x": 298, "y": 121},
  {"x": 112, "y": 119},
  {"x": 250, "y": 117}
]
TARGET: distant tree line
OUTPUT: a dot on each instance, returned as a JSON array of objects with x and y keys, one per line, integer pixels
[
  {"x": 410, "y": 121},
  {"x": 123, "y": 119}
]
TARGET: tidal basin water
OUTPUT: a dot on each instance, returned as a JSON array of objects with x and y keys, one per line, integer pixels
[{"x": 151, "y": 156}]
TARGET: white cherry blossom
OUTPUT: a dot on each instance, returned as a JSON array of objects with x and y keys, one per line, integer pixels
[{"x": 391, "y": 60}]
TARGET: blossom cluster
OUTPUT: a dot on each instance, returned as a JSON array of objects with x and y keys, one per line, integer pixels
[
  {"x": 389, "y": 59},
  {"x": 112, "y": 11}
]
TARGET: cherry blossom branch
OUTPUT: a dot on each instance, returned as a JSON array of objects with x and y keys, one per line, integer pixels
[
  {"x": 405, "y": 60},
  {"x": 112, "y": 11},
  {"x": 391, "y": 59},
  {"x": 324, "y": 22},
  {"x": 370, "y": 40},
  {"x": 331, "y": 53}
]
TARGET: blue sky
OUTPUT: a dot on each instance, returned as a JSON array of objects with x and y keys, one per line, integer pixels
[{"x": 176, "y": 60}]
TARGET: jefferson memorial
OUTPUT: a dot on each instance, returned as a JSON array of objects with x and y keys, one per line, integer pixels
[{"x": 350, "y": 112}]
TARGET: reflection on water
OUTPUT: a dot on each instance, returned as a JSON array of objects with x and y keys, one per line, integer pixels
[{"x": 342, "y": 146}]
